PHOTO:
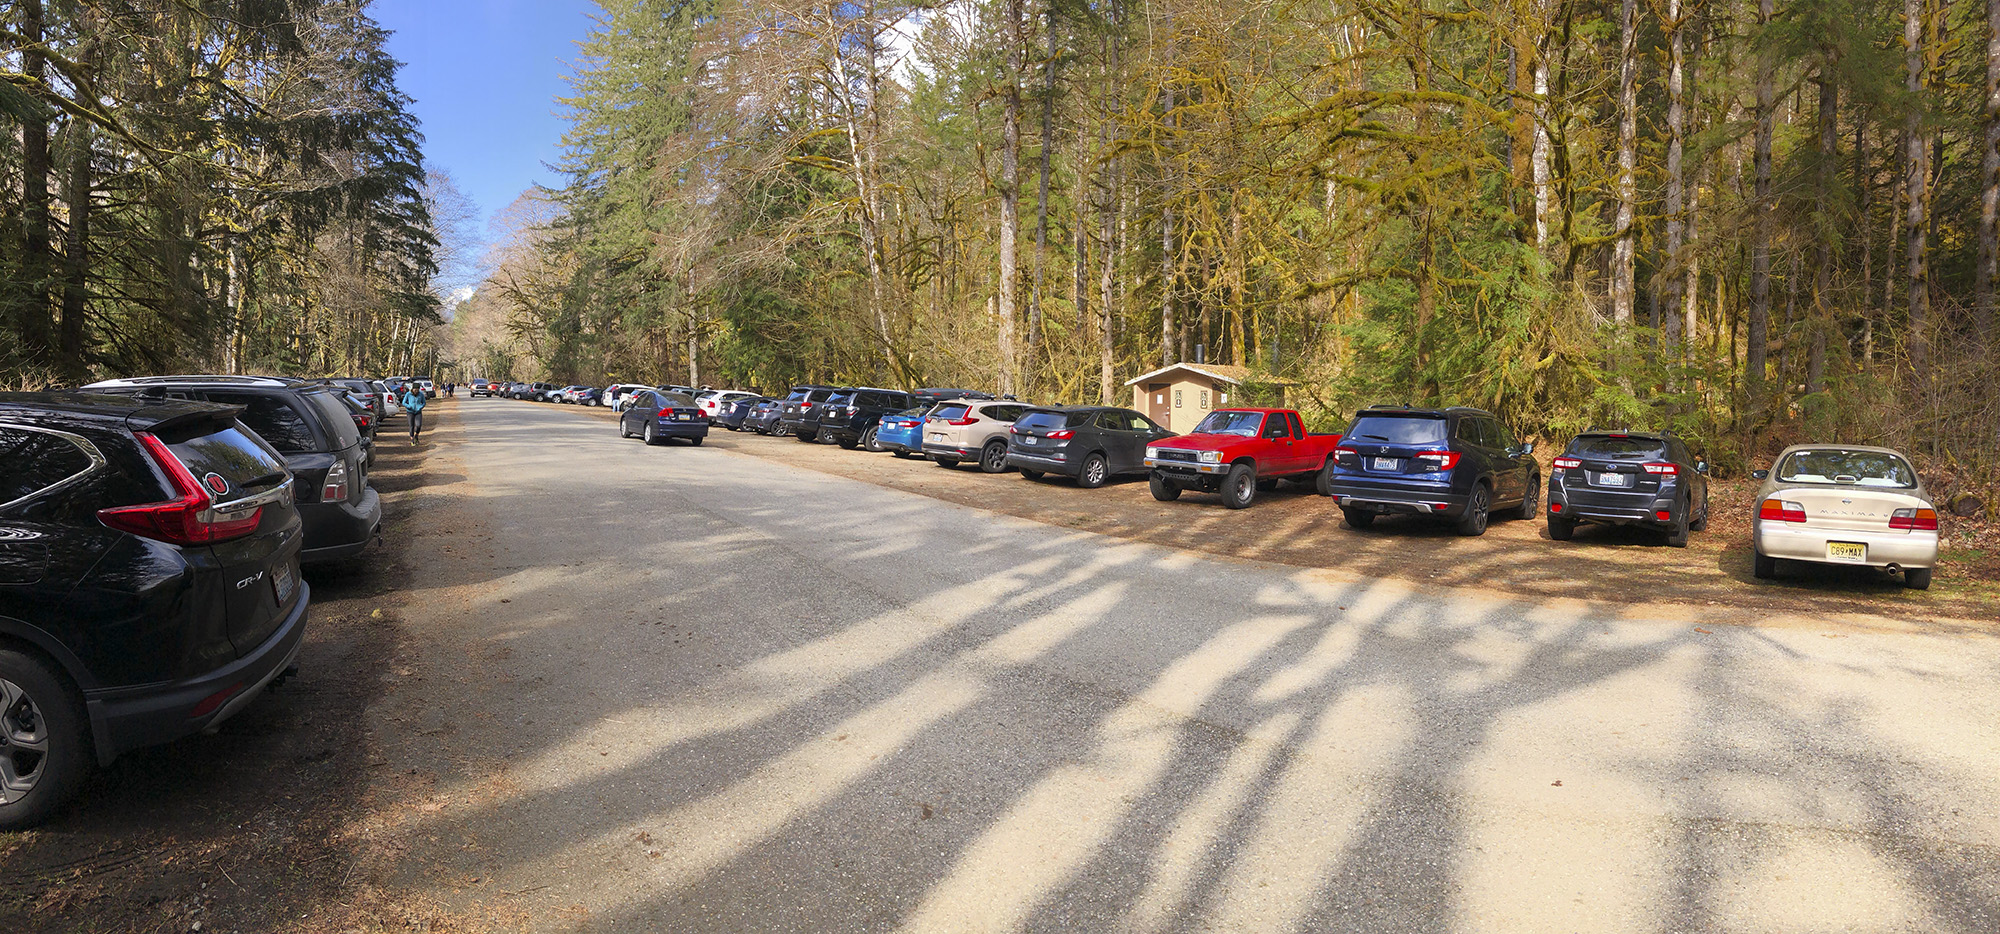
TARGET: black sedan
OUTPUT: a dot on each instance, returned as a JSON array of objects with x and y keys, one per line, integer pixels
[
  {"x": 657, "y": 416},
  {"x": 1089, "y": 443}
]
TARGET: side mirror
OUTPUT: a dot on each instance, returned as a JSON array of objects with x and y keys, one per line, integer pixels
[
  {"x": 1528, "y": 448},
  {"x": 1760, "y": 475},
  {"x": 1701, "y": 467}
]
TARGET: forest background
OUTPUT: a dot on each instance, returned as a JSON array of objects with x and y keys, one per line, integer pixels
[{"x": 1751, "y": 221}]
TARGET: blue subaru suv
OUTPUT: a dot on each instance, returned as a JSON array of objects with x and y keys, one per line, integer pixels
[
  {"x": 1645, "y": 478},
  {"x": 1453, "y": 463}
]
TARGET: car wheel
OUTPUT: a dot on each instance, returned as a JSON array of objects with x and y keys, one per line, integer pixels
[
  {"x": 1764, "y": 567},
  {"x": 697, "y": 440},
  {"x": 1677, "y": 534},
  {"x": 1323, "y": 481},
  {"x": 868, "y": 440},
  {"x": 623, "y": 432},
  {"x": 1562, "y": 529},
  {"x": 993, "y": 457},
  {"x": 946, "y": 462},
  {"x": 44, "y": 741},
  {"x": 1531, "y": 500},
  {"x": 1358, "y": 518},
  {"x": 847, "y": 445},
  {"x": 807, "y": 436},
  {"x": 1163, "y": 489},
  {"x": 1095, "y": 471},
  {"x": 1239, "y": 486},
  {"x": 899, "y": 452},
  {"x": 1917, "y": 578},
  {"x": 651, "y": 437},
  {"x": 1477, "y": 511},
  {"x": 1031, "y": 474},
  {"x": 1700, "y": 523}
]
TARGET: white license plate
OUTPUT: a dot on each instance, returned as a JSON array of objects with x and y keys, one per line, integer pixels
[
  {"x": 1030, "y": 439},
  {"x": 281, "y": 581},
  {"x": 1614, "y": 479},
  {"x": 1386, "y": 463},
  {"x": 1846, "y": 551},
  {"x": 935, "y": 437}
]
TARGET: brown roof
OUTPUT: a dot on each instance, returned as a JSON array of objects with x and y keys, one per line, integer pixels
[{"x": 1234, "y": 375}]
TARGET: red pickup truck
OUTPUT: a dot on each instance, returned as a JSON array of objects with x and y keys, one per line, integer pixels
[{"x": 1237, "y": 451}]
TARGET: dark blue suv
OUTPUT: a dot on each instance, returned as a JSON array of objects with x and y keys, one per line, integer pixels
[
  {"x": 1454, "y": 463},
  {"x": 1643, "y": 478}
]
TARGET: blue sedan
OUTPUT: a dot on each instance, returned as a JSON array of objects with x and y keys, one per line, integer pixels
[
  {"x": 657, "y": 416},
  {"x": 903, "y": 432}
]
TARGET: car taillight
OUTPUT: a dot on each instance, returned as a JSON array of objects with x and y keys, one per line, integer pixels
[
  {"x": 804, "y": 406},
  {"x": 1063, "y": 435},
  {"x": 1439, "y": 460},
  {"x": 961, "y": 422},
  {"x": 1781, "y": 511},
  {"x": 189, "y": 518},
  {"x": 1666, "y": 469},
  {"x": 1914, "y": 520},
  {"x": 1568, "y": 463},
  {"x": 1342, "y": 453},
  {"x": 334, "y": 488},
  {"x": 361, "y": 422}
]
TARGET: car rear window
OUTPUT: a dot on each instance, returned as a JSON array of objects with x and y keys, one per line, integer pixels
[
  {"x": 33, "y": 460},
  {"x": 1398, "y": 429},
  {"x": 1046, "y": 420},
  {"x": 1833, "y": 465},
  {"x": 1625, "y": 449},
  {"x": 676, "y": 400},
  {"x": 274, "y": 419},
  {"x": 339, "y": 421},
  {"x": 245, "y": 464},
  {"x": 949, "y": 411}
]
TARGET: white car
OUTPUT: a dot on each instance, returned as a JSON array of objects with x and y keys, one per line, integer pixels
[
  {"x": 1845, "y": 504},
  {"x": 711, "y": 402}
]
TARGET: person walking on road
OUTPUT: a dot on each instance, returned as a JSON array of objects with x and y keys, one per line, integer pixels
[{"x": 413, "y": 405}]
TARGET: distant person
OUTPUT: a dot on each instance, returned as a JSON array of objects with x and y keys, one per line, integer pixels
[{"x": 413, "y": 405}]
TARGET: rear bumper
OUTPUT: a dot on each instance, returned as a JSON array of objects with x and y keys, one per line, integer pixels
[
  {"x": 1038, "y": 461},
  {"x": 334, "y": 531},
  {"x": 1424, "y": 499},
  {"x": 1904, "y": 549},
  {"x": 796, "y": 425},
  {"x": 125, "y": 719},
  {"x": 680, "y": 429},
  {"x": 949, "y": 451},
  {"x": 1614, "y": 508},
  {"x": 906, "y": 440}
]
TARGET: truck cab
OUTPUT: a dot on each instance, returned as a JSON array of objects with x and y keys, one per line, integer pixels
[{"x": 1235, "y": 452}]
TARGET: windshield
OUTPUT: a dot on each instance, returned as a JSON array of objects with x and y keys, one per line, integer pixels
[
  {"x": 1833, "y": 465},
  {"x": 1624, "y": 449},
  {"x": 1231, "y": 423},
  {"x": 1396, "y": 430}
]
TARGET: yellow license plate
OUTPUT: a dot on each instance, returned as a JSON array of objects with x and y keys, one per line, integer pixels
[{"x": 1846, "y": 551}]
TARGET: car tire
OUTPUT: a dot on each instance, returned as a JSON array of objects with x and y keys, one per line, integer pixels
[
  {"x": 1700, "y": 523},
  {"x": 38, "y": 709},
  {"x": 1094, "y": 472},
  {"x": 1164, "y": 490},
  {"x": 1677, "y": 534},
  {"x": 1763, "y": 566},
  {"x": 651, "y": 437},
  {"x": 1031, "y": 474},
  {"x": 1323, "y": 481},
  {"x": 899, "y": 452},
  {"x": 1561, "y": 529},
  {"x": 1358, "y": 519},
  {"x": 993, "y": 457},
  {"x": 1917, "y": 578},
  {"x": 1478, "y": 509},
  {"x": 847, "y": 445},
  {"x": 868, "y": 440},
  {"x": 806, "y": 437},
  {"x": 946, "y": 462},
  {"x": 1531, "y": 499},
  {"x": 697, "y": 440},
  {"x": 1239, "y": 486},
  {"x": 623, "y": 432}
]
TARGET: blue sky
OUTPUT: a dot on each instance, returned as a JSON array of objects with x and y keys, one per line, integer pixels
[{"x": 485, "y": 75}]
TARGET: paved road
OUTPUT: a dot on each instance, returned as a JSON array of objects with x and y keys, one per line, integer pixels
[{"x": 682, "y": 689}]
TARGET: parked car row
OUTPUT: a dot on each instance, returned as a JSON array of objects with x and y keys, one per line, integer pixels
[
  {"x": 152, "y": 532},
  {"x": 1464, "y": 466}
]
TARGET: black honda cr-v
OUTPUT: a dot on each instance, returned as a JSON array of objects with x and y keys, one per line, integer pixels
[{"x": 149, "y": 583}]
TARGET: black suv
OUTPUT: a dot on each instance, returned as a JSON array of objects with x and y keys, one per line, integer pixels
[
  {"x": 850, "y": 418},
  {"x": 314, "y": 429},
  {"x": 796, "y": 416},
  {"x": 1628, "y": 478},
  {"x": 149, "y": 582},
  {"x": 1454, "y": 463}
]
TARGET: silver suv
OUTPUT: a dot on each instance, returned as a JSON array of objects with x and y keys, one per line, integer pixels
[{"x": 967, "y": 429}]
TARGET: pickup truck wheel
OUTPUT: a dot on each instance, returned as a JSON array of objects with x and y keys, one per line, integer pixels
[
  {"x": 1477, "y": 510},
  {"x": 993, "y": 457},
  {"x": 1323, "y": 480},
  {"x": 1531, "y": 500},
  {"x": 946, "y": 461},
  {"x": 1031, "y": 474},
  {"x": 1561, "y": 529},
  {"x": 1917, "y": 578},
  {"x": 1239, "y": 486},
  {"x": 1095, "y": 471},
  {"x": 1358, "y": 518},
  {"x": 1163, "y": 489},
  {"x": 44, "y": 741}
]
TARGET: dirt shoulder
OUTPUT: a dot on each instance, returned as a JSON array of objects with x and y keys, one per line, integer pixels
[{"x": 1515, "y": 557}]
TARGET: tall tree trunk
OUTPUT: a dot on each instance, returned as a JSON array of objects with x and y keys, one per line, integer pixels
[
  {"x": 1042, "y": 199},
  {"x": 1539, "y": 156},
  {"x": 76, "y": 254},
  {"x": 1989, "y": 187},
  {"x": 1010, "y": 200},
  {"x": 1915, "y": 164},
  {"x": 867, "y": 223},
  {"x": 1760, "y": 242},
  {"x": 1864, "y": 181},
  {"x": 36, "y": 324},
  {"x": 1113, "y": 201},
  {"x": 1169, "y": 335},
  {"x": 1671, "y": 284},
  {"x": 1623, "y": 260},
  {"x": 1828, "y": 239}
]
